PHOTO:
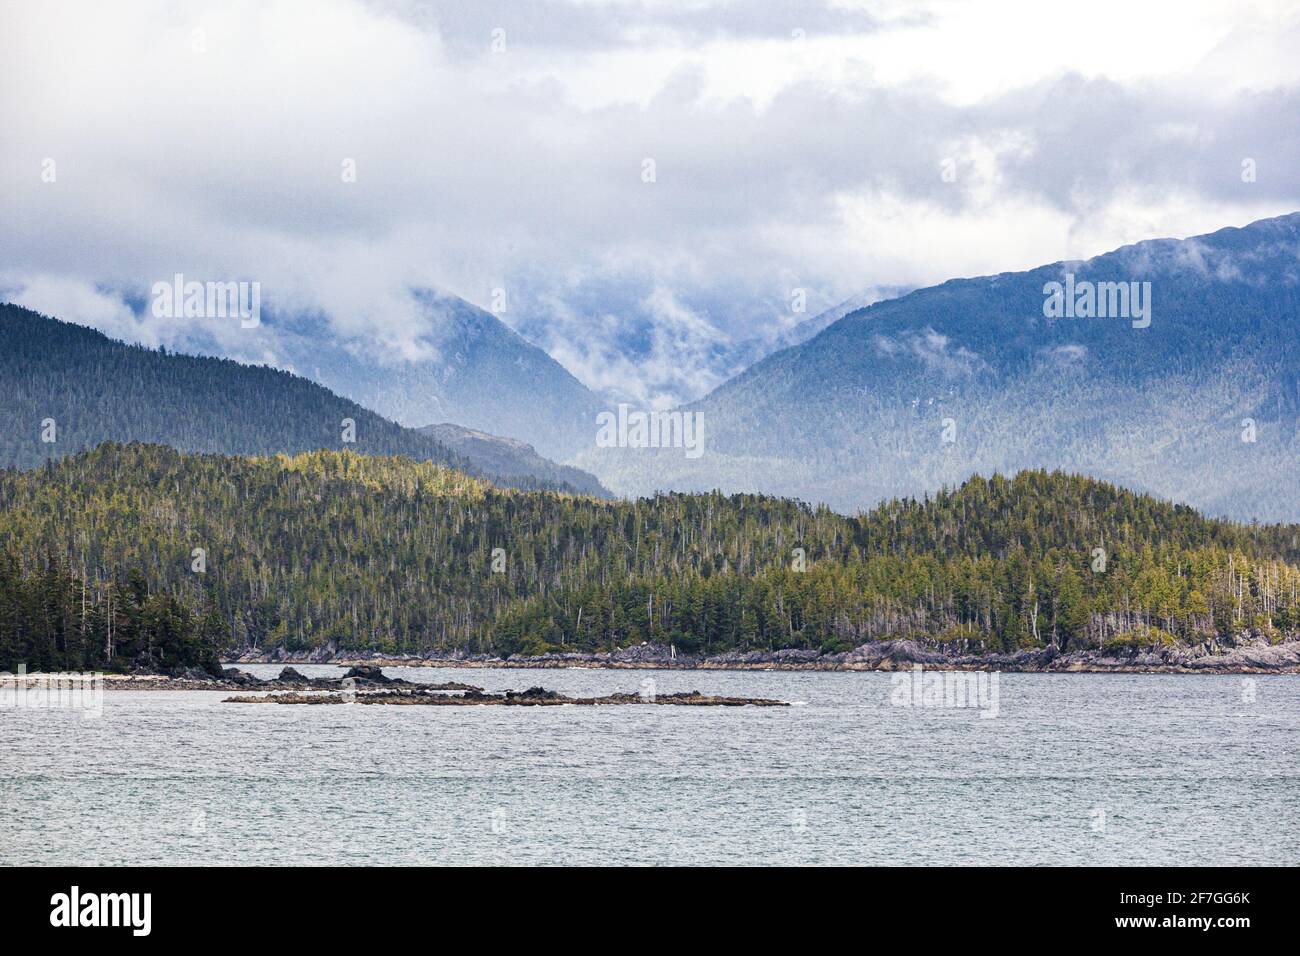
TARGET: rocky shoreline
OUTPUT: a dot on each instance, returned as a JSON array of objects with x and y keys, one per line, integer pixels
[
  {"x": 1254, "y": 655},
  {"x": 367, "y": 684},
  {"x": 365, "y": 672},
  {"x": 364, "y": 678}
]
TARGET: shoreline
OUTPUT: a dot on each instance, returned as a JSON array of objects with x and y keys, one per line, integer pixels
[
  {"x": 773, "y": 667},
  {"x": 1253, "y": 657}
]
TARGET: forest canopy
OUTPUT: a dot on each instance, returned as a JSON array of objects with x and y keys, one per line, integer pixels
[{"x": 184, "y": 554}]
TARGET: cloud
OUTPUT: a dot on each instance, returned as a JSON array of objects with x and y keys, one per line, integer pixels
[
  {"x": 1068, "y": 356},
  {"x": 803, "y": 146},
  {"x": 933, "y": 350},
  {"x": 74, "y": 300},
  {"x": 596, "y": 26}
]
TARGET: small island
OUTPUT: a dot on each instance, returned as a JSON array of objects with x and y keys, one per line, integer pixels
[
  {"x": 369, "y": 685},
  {"x": 533, "y": 697}
]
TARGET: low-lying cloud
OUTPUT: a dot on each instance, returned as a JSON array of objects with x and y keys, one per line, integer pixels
[{"x": 345, "y": 153}]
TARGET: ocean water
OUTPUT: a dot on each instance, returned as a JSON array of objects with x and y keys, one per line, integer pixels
[{"x": 1073, "y": 769}]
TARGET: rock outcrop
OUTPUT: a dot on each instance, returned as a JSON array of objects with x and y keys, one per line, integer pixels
[{"x": 533, "y": 697}]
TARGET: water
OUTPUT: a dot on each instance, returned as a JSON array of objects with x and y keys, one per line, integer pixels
[{"x": 1075, "y": 769}]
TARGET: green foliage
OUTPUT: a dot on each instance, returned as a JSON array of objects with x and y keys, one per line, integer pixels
[
  {"x": 51, "y": 620},
  {"x": 1146, "y": 638},
  {"x": 354, "y": 551}
]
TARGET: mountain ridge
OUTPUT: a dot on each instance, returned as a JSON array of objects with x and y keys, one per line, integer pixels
[
  {"x": 1201, "y": 407},
  {"x": 480, "y": 374},
  {"x": 92, "y": 388},
  {"x": 509, "y": 456}
]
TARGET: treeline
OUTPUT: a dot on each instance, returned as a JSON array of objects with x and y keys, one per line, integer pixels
[
  {"x": 339, "y": 549},
  {"x": 52, "y": 620}
]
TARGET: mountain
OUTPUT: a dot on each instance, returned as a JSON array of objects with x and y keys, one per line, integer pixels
[
  {"x": 334, "y": 549},
  {"x": 914, "y": 393},
  {"x": 475, "y": 371},
  {"x": 506, "y": 456},
  {"x": 94, "y": 389},
  {"x": 725, "y": 358},
  {"x": 803, "y": 331}
]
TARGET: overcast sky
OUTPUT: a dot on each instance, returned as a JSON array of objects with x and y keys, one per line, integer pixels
[{"x": 504, "y": 145}]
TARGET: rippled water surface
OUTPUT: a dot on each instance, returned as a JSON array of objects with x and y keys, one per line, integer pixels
[{"x": 1074, "y": 769}]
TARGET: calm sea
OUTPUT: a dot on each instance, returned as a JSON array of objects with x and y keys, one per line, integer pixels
[{"x": 1073, "y": 769}]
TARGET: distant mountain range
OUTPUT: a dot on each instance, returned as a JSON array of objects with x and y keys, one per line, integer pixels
[
  {"x": 480, "y": 374},
  {"x": 986, "y": 374},
  {"x": 66, "y": 388},
  {"x": 1197, "y": 400}
]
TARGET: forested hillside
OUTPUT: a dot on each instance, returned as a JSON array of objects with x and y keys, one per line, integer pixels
[
  {"x": 387, "y": 553},
  {"x": 78, "y": 387}
]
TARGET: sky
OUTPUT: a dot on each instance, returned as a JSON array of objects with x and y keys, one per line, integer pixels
[{"x": 645, "y": 189}]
